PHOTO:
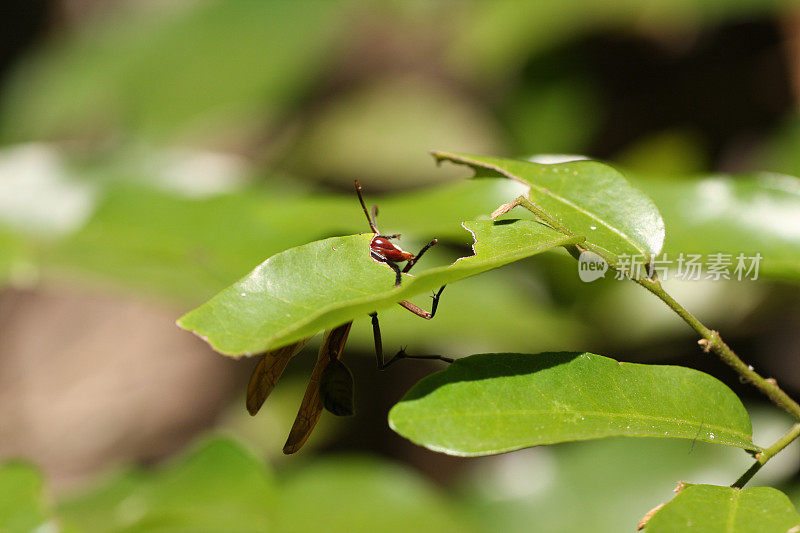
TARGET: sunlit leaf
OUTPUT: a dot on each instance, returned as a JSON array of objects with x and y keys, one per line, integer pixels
[
  {"x": 320, "y": 285},
  {"x": 494, "y": 403},
  {"x": 708, "y": 508},
  {"x": 587, "y": 197}
]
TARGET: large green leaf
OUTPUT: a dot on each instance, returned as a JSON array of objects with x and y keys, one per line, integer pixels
[
  {"x": 587, "y": 197},
  {"x": 734, "y": 214},
  {"x": 22, "y": 503},
  {"x": 494, "y": 403},
  {"x": 709, "y": 508},
  {"x": 297, "y": 293}
]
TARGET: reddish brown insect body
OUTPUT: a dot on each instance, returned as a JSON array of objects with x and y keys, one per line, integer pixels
[{"x": 381, "y": 245}]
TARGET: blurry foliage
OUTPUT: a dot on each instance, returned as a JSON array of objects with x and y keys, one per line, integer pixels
[
  {"x": 221, "y": 486},
  {"x": 22, "y": 502},
  {"x": 116, "y": 96},
  {"x": 495, "y": 37},
  {"x": 172, "y": 70},
  {"x": 367, "y": 131}
]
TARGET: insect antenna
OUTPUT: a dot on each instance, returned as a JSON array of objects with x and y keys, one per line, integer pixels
[{"x": 364, "y": 207}]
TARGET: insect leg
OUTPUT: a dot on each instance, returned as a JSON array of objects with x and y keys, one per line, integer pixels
[
  {"x": 364, "y": 207},
  {"x": 376, "y": 334},
  {"x": 412, "y": 262},
  {"x": 403, "y": 355},
  {"x": 378, "y": 257},
  {"x": 398, "y": 277},
  {"x": 383, "y": 365},
  {"x": 420, "y": 312}
]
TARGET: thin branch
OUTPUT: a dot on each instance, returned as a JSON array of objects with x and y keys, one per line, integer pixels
[
  {"x": 712, "y": 342},
  {"x": 766, "y": 455}
]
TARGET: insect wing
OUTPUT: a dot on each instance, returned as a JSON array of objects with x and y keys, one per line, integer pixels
[
  {"x": 268, "y": 372},
  {"x": 336, "y": 389},
  {"x": 311, "y": 408}
]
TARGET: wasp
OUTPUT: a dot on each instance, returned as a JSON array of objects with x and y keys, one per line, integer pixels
[{"x": 331, "y": 384}]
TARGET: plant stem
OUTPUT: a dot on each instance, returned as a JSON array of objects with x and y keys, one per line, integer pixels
[
  {"x": 540, "y": 213},
  {"x": 766, "y": 455},
  {"x": 712, "y": 342}
]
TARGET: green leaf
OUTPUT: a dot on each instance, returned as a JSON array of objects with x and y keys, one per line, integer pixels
[
  {"x": 494, "y": 403},
  {"x": 22, "y": 506},
  {"x": 218, "y": 487},
  {"x": 297, "y": 293},
  {"x": 711, "y": 509},
  {"x": 587, "y": 197},
  {"x": 734, "y": 214}
]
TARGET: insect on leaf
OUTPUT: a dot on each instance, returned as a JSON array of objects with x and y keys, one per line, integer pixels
[{"x": 320, "y": 285}]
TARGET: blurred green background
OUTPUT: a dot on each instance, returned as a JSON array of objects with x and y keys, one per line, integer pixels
[{"x": 152, "y": 153}]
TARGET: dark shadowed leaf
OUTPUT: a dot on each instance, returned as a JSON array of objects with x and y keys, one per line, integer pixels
[{"x": 494, "y": 403}]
